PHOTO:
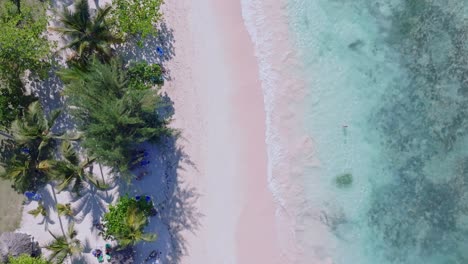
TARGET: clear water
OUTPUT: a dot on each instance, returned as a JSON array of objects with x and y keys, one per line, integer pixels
[{"x": 395, "y": 73}]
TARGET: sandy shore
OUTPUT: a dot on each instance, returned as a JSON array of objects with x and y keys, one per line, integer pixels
[
  {"x": 219, "y": 107},
  {"x": 219, "y": 208}
]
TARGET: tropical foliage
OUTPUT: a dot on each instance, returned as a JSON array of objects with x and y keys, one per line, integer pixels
[
  {"x": 136, "y": 17},
  {"x": 70, "y": 171},
  {"x": 40, "y": 210},
  {"x": 126, "y": 220},
  {"x": 64, "y": 246},
  {"x": 88, "y": 35},
  {"x": 33, "y": 140},
  {"x": 64, "y": 209},
  {"x": 12, "y": 102},
  {"x": 113, "y": 116},
  {"x": 26, "y": 259},
  {"x": 22, "y": 47},
  {"x": 22, "y": 44},
  {"x": 142, "y": 75},
  {"x": 21, "y": 170},
  {"x": 34, "y": 130}
]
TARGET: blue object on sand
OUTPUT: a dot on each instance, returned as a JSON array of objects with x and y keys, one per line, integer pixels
[
  {"x": 144, "y": 162},
  {"x": 29, "y": 195},
  {"x": 138, "y": 197},
  {"x": 160, "y": 51},
  {"x": 33, "y": 196},
  {"x": 37, "y": 197}
]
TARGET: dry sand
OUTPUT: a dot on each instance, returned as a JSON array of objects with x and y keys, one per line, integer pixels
[{"x": 218, "y": 209}]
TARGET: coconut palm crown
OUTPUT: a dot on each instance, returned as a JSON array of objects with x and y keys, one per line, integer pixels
[
  {"x": 87, "y": 35},
  {"x": 70, "y": 171}
]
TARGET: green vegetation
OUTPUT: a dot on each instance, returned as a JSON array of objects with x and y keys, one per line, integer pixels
[
  {"x": 64, "y": 246},
  {"x": 70, "y": 171},
  {"x": 40, "y": 210},
  {"x": 22, "y": 45},
  {"x": 114, "y": 106},
  {"x": 126, "y": 220},
  {"x": 64, "y": 209},
  {"x": 25, "y": 259},
  {"x": 34, "y": 131},
  {"x": 113, "y": 116},
  {"x": 33, "y": 142},
  {"x": 87, "y": 35},
  {"x": 344, "y": 180},
  {"x": 136, "y": 18},
  {"x": 142, "y": 75}
]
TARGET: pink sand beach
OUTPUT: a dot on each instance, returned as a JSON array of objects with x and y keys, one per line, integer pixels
[
  {"x": 218, "y": 87},
  {"x": 220, "y": 110}
]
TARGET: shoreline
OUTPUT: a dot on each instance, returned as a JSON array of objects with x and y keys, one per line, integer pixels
[
  {"x": 218, "y": 93},
  {"x": 218, "y": 99},
  {"x": 257, "y": 233}
]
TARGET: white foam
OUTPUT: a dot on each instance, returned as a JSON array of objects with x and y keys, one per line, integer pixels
[{"x": 254, "y": 19}]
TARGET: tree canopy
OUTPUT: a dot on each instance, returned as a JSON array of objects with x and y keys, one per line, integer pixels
[
  {"x": 126, "y": 220},
  {"x": 88, "y": 34},
  {"x": 22, "y": 44},
  {"x": 114, "y": 116},
  {"x": 22, "y": 47}
]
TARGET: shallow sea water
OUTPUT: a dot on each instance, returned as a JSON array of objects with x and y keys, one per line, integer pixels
[{"x": 387, "y": 85}]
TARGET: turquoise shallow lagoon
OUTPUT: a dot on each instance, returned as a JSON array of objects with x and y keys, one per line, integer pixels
[{"x": 387, "y": 102}]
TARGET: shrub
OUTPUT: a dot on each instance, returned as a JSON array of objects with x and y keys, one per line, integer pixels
[
  {"x": 136, "y": 17},
  {"x": 125, "y": 220},
  {"x": 142, "y": 75},
  {"x": 26, "y": 259}
]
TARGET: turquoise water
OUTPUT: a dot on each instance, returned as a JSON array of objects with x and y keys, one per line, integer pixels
[{"x": 387, "y": 85}]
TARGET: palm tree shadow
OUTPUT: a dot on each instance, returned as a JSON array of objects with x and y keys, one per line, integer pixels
[
  {"x": 49, "y": 93},
  {"x": 91, "y": 201},
  {"x": 49, "y": 203},
  {"x": 175, "y": 201}
]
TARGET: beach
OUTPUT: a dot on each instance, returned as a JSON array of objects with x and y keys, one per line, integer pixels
[
  {"x": 223, "y": 128},
  {"x": 217, "y": 206}
]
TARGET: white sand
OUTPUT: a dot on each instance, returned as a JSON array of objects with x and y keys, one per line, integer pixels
[{"x": 210, "y": 207}]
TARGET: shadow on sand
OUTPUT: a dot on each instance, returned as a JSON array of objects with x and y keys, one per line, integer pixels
[
  {"x": 148, "y": 50},
  {"x": 175, "y": 201}
]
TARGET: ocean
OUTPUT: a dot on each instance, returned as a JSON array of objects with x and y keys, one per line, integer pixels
[{"x": 385, "y": 105}]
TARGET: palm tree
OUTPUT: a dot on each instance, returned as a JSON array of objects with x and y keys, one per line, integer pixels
[
  {"x": 64, "y": 246},
  {"x": 70, "y": 171},
  {"x": 34, "y": 130},
  {"x": 113, "y": 116},
  {"x": 135, "y": 221},
  {"x": 40, "y": 210},
  {"x": 87, "y": 35},
  {"x": 65, "y": 209},
  {"x": 22, "y": 170}
]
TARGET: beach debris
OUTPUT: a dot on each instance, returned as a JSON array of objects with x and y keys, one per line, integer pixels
[
  {"x": 154, "y": 254},
  {"x": 141, "y": 175},
  {"x": 124, "y": 256},
  {"x": 16, "y": 244}
]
